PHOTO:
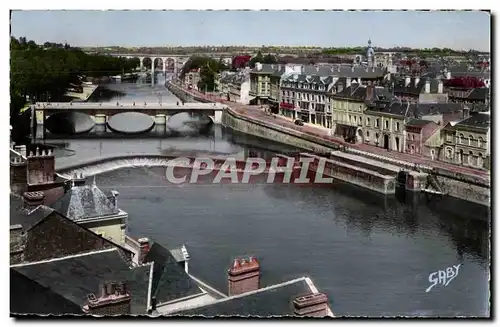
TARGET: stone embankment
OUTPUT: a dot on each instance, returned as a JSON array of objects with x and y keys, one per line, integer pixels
[{"x": 363, "y": 167}]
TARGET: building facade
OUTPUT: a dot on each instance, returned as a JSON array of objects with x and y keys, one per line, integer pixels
[
  {"x": 306, "y": 97},
  {"x": 472, "y": 141},
  {"x": 384, "y": 125}
]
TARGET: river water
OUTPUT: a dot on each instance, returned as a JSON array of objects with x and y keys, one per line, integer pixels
[{"x": 371, "y": 254}]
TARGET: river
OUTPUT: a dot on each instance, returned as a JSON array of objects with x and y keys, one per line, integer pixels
[{"x": 371, "y": 254}]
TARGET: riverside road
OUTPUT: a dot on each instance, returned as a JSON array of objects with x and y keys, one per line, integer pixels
[
  {"x": 372, "y": 255},
  {"x": 258, "y": 113}
]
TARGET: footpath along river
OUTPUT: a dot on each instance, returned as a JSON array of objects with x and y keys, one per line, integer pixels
[{"x": 371, "y": 255}]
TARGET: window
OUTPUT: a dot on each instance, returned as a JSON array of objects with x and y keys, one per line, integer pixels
[
  {"x": 386, "y": 124},
  {"x": 471, "y": 139},
  {"x": 360, "y": 120},
  {"x": 397, "y": 126},
  {"x": 367, "y": 121},
  {"x": 377, "y": 123},
  {"x": 449, "y": 153},
  {"x": 367, "y": 134},
  {"x": 480, "y": 142},
  {"x": 471, "y": 158},
  {"x": 460, "y": 138}
]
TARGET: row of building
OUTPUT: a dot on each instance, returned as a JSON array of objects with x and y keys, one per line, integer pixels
[
  {"x": 70, "y": 253},
  {"x": 441, "y": 113}
]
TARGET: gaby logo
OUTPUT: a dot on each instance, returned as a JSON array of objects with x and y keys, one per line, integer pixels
[
  {"x": 281, "y": 169},
  {"x": 443, "y": 277}
]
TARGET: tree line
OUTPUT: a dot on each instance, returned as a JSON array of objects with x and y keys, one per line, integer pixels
[{"x": 44, "y": 72}]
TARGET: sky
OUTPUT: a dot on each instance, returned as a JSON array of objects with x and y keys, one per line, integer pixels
[{"x": 454, "y": 29}]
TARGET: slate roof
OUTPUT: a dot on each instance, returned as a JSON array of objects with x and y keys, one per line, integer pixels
[
  {"x": 266, "y": 69},
  {"x": 347, "y": 71},
  {"x": 422, "y": 109},
  {"x": 397, "y": 108},
  {"x": 76, "y": 276},
  {"x": 24, "y": 217},
  {"x": 310, "y": 79},
  {"x": 234, "y": 78},
  {"x": 29, "y": 297},
  {"x": 84, "y": 202},
  {"x": 170, "y": 280},
  {"x": 480, "y": 94},
  {"x": 415, "y": 89},
  {"x": 358, "y": 92},
  {"x": 479, "y": 120},
  {"x": 418, "y": 122},
  {"x": 270, "y": 301}
]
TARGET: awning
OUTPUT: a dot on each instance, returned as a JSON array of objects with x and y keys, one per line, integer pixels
[{"x": 289, "y": 106}]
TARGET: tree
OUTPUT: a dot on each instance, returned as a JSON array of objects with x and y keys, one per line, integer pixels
[
  {"x": 44, "y": 72},
  {"x": 259, "y": 58}
]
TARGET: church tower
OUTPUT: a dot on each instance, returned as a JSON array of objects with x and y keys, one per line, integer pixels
[{"x": 370, "y": 54}]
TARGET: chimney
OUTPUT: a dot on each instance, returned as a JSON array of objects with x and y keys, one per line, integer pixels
[
  {"x": 407, "y": 81},
  {"x": 18, "y": 170},
  {"x": 313, "y": 305},
  {"x": 427, "y": 87},
  {"x": 113, "y": 198},
  {"x": 33, "y": 199},
  {"x": 21, "y": 149},
  {"x": 244, "y": 276},
  {"x": 40, "y": 167},
  {"x": 114, "y": 300},
  {"x": 78, "y": 179},
  {"x": 440, "y": 86},
  {"x": 417, "y": 80},
  {"x": 143, "y": 249},
  {"x": 369, "y": 93}
]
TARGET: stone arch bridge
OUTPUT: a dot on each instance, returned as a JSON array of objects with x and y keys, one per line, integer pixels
[
  {"x": 100, "y": 113},
  {"x": 172, "y": 63}
]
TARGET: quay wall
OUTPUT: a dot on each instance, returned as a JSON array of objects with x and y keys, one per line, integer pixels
[{"x": 465, "y": 187}]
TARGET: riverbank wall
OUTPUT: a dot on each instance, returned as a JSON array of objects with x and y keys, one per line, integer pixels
[
  {"x": 465, "y": 187},
  {"x": 88, "y": 90}
]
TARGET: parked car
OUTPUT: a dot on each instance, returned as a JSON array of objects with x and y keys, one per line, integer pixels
[{"x": 299, "y": 122}]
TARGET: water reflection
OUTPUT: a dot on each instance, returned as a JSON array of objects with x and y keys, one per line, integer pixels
[{"x": 371, "y": 212}]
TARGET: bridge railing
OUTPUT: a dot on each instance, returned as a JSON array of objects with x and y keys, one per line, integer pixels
[{"x": 130, "y": 105}]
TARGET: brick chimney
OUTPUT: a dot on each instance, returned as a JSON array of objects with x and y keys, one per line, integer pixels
[
  {"x": 427, "y": 88},
  {"x": 313, "y": 305},
  {"x": 144, "y": 247},
  {"x": 18, "y": 170},
  {"x": 114, "y": 300},
  {"x": 33, "y": 199},
  {"x": 369, "y": 93},
  {"x": 78, "y": 179},
  {"x": 244, "y": 276},
  {"x": 41, "y": 167}
]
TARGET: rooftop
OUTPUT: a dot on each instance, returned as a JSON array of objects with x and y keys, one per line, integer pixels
[
  {"x": 82, "y": 202},
  {"x": 75, "y": 276},
  {"x": 479, "y": 120},
  {"x": 170, "y": 281},
  {"x": 275, "y": 300}
]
